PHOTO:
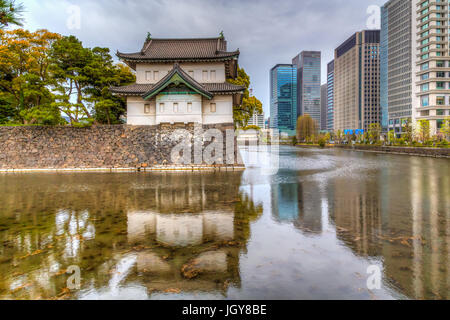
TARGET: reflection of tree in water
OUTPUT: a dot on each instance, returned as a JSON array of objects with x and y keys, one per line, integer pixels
[{"x": 49, "y": 222}]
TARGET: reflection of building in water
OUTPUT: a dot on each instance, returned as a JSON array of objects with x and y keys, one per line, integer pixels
[
  {"x": 185, "y": 230},
  {"x": 355, "y": 211},
  {"x": 298, "y": 203},
  {"x": 180, "y": 229},
  {"x": 285, "y": 202},
  {"x": 192, "y": 234},
  {"x": 430, "y": 225},
  {"x": 408, "y": 229}
]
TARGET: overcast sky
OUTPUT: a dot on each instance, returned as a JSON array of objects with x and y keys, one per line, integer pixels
[{"x": 267, "y": 32}]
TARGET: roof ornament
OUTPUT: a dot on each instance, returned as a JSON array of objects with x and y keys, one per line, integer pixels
[
  {"x": 221, "y": 36},
  {"x": 149, "y": 36}
]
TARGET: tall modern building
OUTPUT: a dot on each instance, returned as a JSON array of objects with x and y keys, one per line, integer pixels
[
  {"x": 308, "y": 64},
  {"x": 330, "y": 96},
  {"x": 257, "y": 120},
  {"x": 431, "y": 62},
  {"x": 357, "y": 82},
  {"x": 323, "y": 106},
  {"x": 283, "y": 98},
  {"x": 396, "y": 64}
]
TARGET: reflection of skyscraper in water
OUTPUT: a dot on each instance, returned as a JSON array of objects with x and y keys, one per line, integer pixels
[
  {"x": 431, "y": 231},
  {"x": 285, "y": 202},
  {"x": 406, "y": 226},
  {"x": 355, "y": 211},
  {"x": 291, "y": 204}
]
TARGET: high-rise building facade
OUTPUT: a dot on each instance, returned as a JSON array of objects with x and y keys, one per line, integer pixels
[
  {"x": 283, "y": 98},
  {"x": 323, "y": 107},
  {"x": 330, "y": 96},
  {"x": 396, "y": 64},
  {"x": 384, "y": 67},
  {"x": 308, "y": 64},
  {"x": 357, "y": 82},
  {"x": 257, "y": 120},
  {"x": 431, "y": 62}
]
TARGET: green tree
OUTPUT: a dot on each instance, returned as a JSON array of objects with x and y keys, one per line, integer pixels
[
  {"x": 6, "y": 112},
  {"x": 250, "y": 105},
  {"x": 83, "y": 77},
  {"x": 408, "y": 131},
  {"x": 374, "y": 132},
  {"x": 445, "y": 129},
  {"x": 24, "y": 76},
  {"x": 306, "y": 128},
  {"x": 391, "y": 136},
  {"x": 10, "y": 13},
  {"x": 423, "y": 131}
]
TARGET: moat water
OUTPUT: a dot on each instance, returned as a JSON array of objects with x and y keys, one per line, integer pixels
[{"x": 311, "y": 230}]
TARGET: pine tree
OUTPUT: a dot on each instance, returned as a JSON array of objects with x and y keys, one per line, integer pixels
[{"x": 10, "y": 13}]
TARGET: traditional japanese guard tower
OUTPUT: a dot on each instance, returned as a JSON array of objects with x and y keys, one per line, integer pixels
[{"x": 182, "y": 81}]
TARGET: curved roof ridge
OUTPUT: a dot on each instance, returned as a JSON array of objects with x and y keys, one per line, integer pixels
[
  {"x": 187, "y": 79},
  {"x": 167, "y": 49}
]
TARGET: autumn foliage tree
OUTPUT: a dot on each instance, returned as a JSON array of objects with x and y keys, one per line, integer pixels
[
  {"x": 307, "y": 127},
  {"x": 250, "y": 105},
  {"x": 44, "y": 76},
  {"x": 25, "y": 80}
]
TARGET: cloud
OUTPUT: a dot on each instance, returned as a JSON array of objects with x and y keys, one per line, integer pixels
[{"x": 267, "y": 32}]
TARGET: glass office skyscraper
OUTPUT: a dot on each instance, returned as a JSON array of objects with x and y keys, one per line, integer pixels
[
  {"x": 396, "y": 64},
  {"x": 308, "y": 64},
  {"x": 283, "y": 98},
  {"x": 330, "y": 97},
  {"x": 384, "y": 65}
]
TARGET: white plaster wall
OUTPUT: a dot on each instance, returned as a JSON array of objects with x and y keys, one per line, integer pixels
[
  {"x": 168, "y": 115},
  {"x": 224, "y": 110},
  {"x": 136, "y": 115},
  {"x": 196, "y": 68},
  {"x": 200, "y": 113}
]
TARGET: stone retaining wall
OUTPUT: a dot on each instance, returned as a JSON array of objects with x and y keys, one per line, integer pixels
[
  {"x": 425, "y": 152},
  {"x": 115, "y": 146}
]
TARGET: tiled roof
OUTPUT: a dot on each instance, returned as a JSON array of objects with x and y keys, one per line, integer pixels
[
  {"x": 183, "y": 76},
  {"x": 206, "y": 89},
  {"x": 224, "y": 87},
  {"x": 181, "y": 50},
  {"x": 140, "y": 89}
]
